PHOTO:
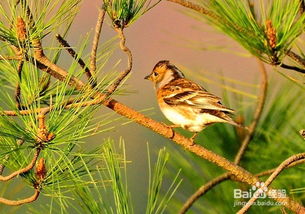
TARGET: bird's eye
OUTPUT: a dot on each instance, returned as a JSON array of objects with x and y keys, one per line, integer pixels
[{"x": 155, "y": 74}]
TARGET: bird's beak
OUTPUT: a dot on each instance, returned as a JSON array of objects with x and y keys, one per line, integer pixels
[{"x": 147, "y": 77}]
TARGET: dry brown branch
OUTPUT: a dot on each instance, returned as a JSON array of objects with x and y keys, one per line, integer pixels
[
  {"x": 296, "y": 58},
  {"x": 23, "y": 170},
  {"x": 224, "y": 177},
  {"x": 270, "y": 171},
  {"x": 22, "y": 201},
  {"x": 98, "y": 29},
  {"x": 302, "y": 6},
  {"x": 18, "y": 89},
  {"x": 294, "y": 68},
  {"x": 276, "y": 172},
  {"x": 75, "y": 56},
  {"x": 69, "y": 104},
  {"x": 210, "y": 14},
  {"x": 241, "y": 174},
  {"x": 251, "y": 130},
  {"x": 202, "y": 190},
  {"x": 124, "y": 74},
  {"x": 10, "y": 57},
  {"x": 2, "y": 166}
]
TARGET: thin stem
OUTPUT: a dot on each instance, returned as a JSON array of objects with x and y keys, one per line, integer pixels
[
  {"x": 2, "y": 166},
  {"x": 18, "y": 89},
  {"x": 22, "y": 201},
  {"x": 75, "y": 56},
  {"x": 257, "y": 114},
  {"x": 278, "y": 170},
  {"x": 294, "y": 68},
  {"x": 296, "y": 58},
  {"x": 69, "y": 104},
  {"x": 10, "y": 57},
  {"x": 270, "y": 171},
  {"x": 302, "y": 6},
  {"x": 218, "y": 180},
  {"x": 124, "y": 74},
  {"x": 213, "y": 16},
  {"x": 202, "y": 190},
  {"x": 23, "y": 170},
  {"x": 95, "y": 43}
]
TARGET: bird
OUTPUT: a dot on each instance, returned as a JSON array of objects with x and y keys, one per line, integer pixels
[{"x": 185, "y": 103}]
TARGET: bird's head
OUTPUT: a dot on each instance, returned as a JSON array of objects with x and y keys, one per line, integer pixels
[{"x": 163, "y": 73}]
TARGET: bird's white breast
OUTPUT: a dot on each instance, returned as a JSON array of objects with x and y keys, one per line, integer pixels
[{"x": 194, "y": 124}]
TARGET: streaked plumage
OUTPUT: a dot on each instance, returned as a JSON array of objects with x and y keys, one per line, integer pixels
[{"x": 185, "y": 103}]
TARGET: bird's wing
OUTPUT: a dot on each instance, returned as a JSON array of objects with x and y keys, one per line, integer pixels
[{"x": 199, "y": 99}]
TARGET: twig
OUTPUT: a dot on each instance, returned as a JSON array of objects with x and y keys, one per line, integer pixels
[
  {"x": 294, "y": 68},
  {"x": 302, "y": 6},
  {"x": 124, "y": 74},
  {"x": 270, "y": 171},
  {"x": 257, "y": 113},
  {"x": 7, "y": 156},
  {"x": 10, "y": 57},
  {"x": 296, "y": 57},
  {"x": 98, "y": 29},
  {"x": 18, "y": 89},
  {"x": 81, "y": 62},
  {"x": 23, "y": 170},
  {"x": 69, "y": 104},
  {"x": 224, "y": 177},
  {"x": 278, "y": 170},
  {"x": 210, "y": 14},
  {"x": 202, "y": 190},
  {"x": 22, "y": 201},
  {"x": 2, "y": 166}
]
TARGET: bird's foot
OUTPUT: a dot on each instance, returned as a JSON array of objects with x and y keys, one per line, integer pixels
[
  {"x": 193, "y": 138},
  {"x": 172, "y": 127}
]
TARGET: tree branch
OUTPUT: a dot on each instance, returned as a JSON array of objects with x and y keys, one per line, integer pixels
[
  {"x": 278, "y": 170},
  {"x": 71, "y": 51},
  {"x": 294, "y": 68},
  {"x": 98, "y": 29},
  {"x": 18, "y": 89},
  {"x": 23, "y": 201},
  {"x": 202, "y": 190},
  {"x": 124, "y": 74},
  {"x": 296, "y": 58},
  {"x": 23, "y": 170}
]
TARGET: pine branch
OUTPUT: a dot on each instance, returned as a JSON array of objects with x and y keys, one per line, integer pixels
[
  {"x": 202, "y": 190},
  {"x": 18, "y": 89},
  {"x": 276, "y": 173},
  {"x": 96, "y": 39},
  {"x": 23, "y": 170},
  {"x": 294, "y": 68},
  {"x": 23, "y": 201},
  {"x": 71, "y": 51},
  {"x": 125, "y": 73}
]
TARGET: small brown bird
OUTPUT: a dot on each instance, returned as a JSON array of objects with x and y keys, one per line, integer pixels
[{"x": 185, "y": 103}]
